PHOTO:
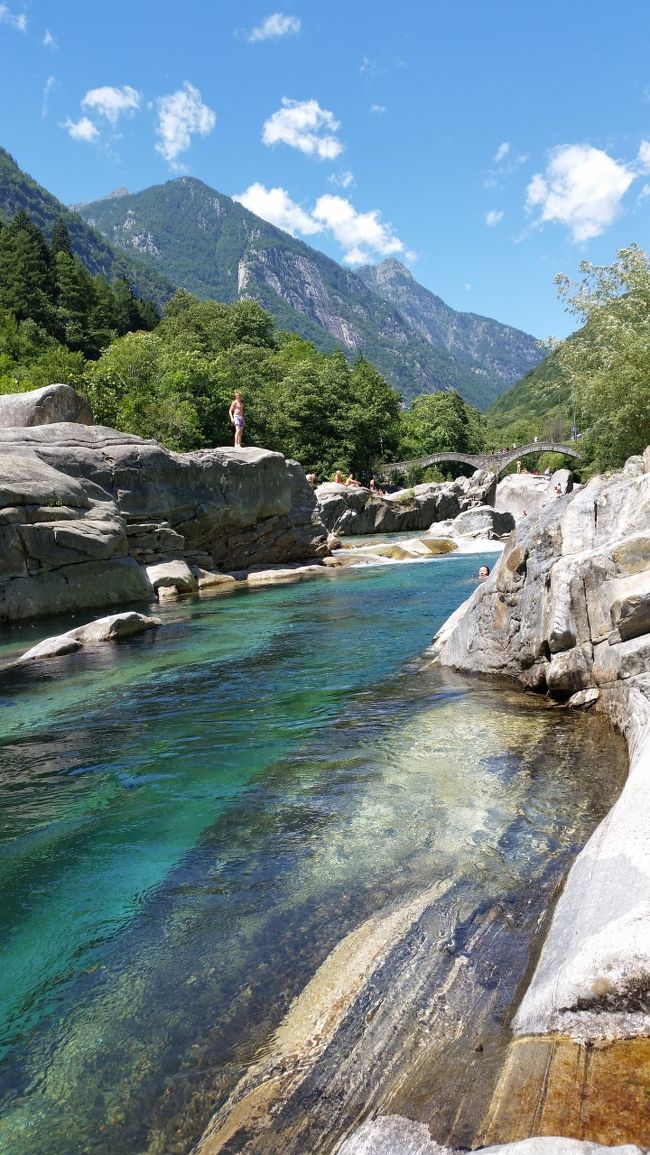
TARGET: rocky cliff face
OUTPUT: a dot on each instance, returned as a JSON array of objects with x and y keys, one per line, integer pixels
[
  {"x": 568, "y": 607},
  {"x": 567, "y": 610},
  {"x": 84, "y": 509}
]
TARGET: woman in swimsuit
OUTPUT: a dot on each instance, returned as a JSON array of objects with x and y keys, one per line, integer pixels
[{"x": 236, "y": 415}]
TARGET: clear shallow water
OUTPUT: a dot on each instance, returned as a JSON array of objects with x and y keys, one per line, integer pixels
[{"x": 192, "y": 821}]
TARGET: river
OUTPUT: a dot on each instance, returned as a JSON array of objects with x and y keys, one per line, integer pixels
[{"x": 192, "y": 820}]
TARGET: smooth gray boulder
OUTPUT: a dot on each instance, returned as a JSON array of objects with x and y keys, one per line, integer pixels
[
  {"x": 44, "y": 407},
  {"x": 108, "y": 629},
  {"x": 75, "y": 496},
  {"x": 482, "y": 521},
  {"x": 172, "y": 576}
]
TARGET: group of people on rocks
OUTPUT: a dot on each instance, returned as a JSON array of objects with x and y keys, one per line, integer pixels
[{"x": 339, "y": 479}]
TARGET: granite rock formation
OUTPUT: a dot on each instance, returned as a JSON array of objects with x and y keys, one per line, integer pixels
[
  {"x": 567, "y": 610},
  {"x": 44, "y": 407},
  {"x": 84, "y": 509},
  {"x": 348, "y": 510}
]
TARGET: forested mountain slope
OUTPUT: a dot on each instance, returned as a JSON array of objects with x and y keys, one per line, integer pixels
[
  {"x": 19, "y": 192},
  {"x": 212, "y": 246}
]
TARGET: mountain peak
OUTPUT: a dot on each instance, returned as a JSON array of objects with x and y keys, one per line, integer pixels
[{"x": 388, "y": 270}]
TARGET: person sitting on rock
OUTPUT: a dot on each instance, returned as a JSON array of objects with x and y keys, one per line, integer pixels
[
  {"x": 374, "y": 488},
  {"x": 339, "y": 478},
  {"x": 351, "y": 480}
]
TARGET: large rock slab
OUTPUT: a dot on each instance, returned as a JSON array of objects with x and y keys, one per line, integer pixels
[
  {"x": 84, "y": 585},
  {"x": 72, "y": 494},
  {"x": 526, "y": 494},
  {"x": 112, "y": 628}
]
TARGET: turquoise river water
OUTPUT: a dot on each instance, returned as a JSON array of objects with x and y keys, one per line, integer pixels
[{"x": 191, "y": 821}]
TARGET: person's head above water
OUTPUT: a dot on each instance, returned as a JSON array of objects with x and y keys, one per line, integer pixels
[{"x": 484, "y": 572}]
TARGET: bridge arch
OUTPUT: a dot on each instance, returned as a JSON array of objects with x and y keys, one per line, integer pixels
[{"x": 495, "y": 462}]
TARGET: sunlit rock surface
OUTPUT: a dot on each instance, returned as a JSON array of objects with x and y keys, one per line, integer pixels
[
  {"x": 395, "y": 1135},
  {"x": 43, "y": 407},
  {"x": 83, "y": 509},
  {"x": 348, "y": 510},
  {"x": 567, "y": 609}
]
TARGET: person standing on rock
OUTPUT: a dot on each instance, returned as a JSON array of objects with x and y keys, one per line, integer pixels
[{"x": 236, "y": 415}]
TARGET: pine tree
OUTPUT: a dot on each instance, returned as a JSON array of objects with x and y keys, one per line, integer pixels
[{"x": 60, "y": 242}]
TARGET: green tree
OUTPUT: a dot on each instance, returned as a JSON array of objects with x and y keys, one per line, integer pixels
[
  {"x": 27, "y": 287},
  {"x": 439, "y": 421},
  {"x": 606, "y": 365},
  {"x": 60, "y": 241}
]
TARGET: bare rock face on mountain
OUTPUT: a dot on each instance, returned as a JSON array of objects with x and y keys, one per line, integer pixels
[{"x": 84, "y": 509}]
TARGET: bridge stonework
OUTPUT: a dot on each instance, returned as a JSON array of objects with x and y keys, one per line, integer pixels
[{"x": 495, "y": 462}]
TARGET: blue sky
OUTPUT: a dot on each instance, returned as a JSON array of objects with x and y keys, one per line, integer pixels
[{"x": 488, "y": 145}]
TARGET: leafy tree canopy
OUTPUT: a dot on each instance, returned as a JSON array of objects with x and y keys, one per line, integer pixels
[{"x": 606, "y": 365}]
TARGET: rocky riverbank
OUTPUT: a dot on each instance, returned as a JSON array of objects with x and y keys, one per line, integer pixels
[
  {"x": 567, "y": 610},
  {"x": 468, "y": 507}
]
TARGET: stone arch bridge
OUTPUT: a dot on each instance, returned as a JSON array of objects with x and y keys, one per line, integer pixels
[{"x": 495, "y": 462}]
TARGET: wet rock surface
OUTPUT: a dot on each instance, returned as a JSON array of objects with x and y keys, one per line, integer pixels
[{"x": 566, "y": 610}]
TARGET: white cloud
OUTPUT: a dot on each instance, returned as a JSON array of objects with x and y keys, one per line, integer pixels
[
  {"x": 361, "y": 235},
  {"x": 83, "y": 129},
  {"x": 48, "y": 40},
  {"x": 493, "y": 217},
  {"x": 644, "y": 155},
  {"x": 112, "y": 102},
  {"x": 48, "y": 89},
  {"x": 274, "y": 27},
  {"x": 306, "y": 126},
  {"x": 276, "y": 206},
  {"x": 15, "y": 20},
  {"x": 343, "y": 179},
  {"x": 502, "y": 152},
  {"x": 180, "y": 115},
  {"x": 467, "y": 287},
  {"x": 582, "y": 188},
  {"x": 377, "y": 109}
]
